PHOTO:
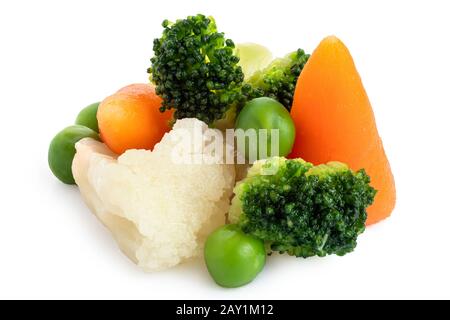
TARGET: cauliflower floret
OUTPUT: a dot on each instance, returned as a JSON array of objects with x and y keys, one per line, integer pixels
[{"x": 159, "y": 212}]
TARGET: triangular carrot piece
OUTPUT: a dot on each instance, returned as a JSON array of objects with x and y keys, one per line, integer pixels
[{"x": 335, "y": 122}]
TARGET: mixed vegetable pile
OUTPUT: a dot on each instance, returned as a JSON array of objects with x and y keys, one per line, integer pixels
[{"x": 313, "y": 197}]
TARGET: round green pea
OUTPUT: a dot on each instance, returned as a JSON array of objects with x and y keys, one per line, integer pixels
[
  {"x": 88, "y": 117},
  {"x": 232, "y": 257},
  {"x": 267, "y": 113},
  {"x": 62, "y": 151}
]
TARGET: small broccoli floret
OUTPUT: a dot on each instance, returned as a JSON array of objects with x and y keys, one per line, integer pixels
[
  {"x": 279, "y": 78},
  {"x": 195, "y": 69},
  {"x": 301, "y": 209}
]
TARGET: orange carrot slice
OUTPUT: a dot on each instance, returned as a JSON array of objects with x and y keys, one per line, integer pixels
[
  {"x": 130, "y": 119},
  {"x": 335, "y": 122}
]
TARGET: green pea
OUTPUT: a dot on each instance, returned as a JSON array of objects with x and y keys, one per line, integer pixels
[
  {"x": 267, "y": 113},
  {"x": 232, "y": 257},
  {"x": 88, "y": 117},
  {"x": 62, "y": 151}
]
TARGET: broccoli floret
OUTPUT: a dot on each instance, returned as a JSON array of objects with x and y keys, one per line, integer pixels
[
  {"x": 303, "y": 210},
  {"x": 279, "y": 78},
  {"x": 195, "y": 69}
]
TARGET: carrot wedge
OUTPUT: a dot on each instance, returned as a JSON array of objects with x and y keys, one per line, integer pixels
[{"x": 335, "y": 122}]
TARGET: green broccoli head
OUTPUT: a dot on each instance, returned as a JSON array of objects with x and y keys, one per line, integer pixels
[
  {"x": 301, "y": 209},
  {"x": 279, "y": 78},
  {"x": 195, "y": 70}
]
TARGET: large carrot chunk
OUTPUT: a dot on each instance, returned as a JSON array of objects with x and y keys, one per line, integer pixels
[{"x": 335, "y": 122}]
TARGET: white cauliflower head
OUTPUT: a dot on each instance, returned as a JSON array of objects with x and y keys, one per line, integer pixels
[{"x": 159, "y": 212}]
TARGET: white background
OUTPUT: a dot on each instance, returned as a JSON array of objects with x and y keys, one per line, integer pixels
[{"x": 59, "y": 56}]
